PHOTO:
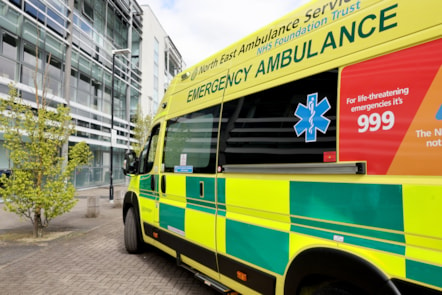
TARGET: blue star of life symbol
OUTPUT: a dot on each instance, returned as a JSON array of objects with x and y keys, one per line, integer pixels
[{"x": 312, "y": 117}]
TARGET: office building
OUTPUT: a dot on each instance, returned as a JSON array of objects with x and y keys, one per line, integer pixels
[
  {"x": 161, "y": 61},
  {"x": 83, "y": 45}
]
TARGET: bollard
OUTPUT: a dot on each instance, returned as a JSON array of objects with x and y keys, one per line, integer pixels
[
  {"x": 93, "y": 206},
  {"x": 118, "y": 199}
]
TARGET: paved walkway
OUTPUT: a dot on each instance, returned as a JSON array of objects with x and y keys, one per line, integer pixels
[{"x": 89, "y": 258}]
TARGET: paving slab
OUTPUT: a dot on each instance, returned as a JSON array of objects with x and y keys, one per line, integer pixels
[{"x": 87, "y": 258}]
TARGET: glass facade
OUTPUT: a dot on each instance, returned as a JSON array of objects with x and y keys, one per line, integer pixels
[
  {"x": 156, "y": 73},
  {"x": 34, "y": 42}
]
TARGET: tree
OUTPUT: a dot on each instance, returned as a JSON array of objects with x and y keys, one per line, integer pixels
[
  {"x": 141, "y": 131},
  {"x": 39, "y": 187}
]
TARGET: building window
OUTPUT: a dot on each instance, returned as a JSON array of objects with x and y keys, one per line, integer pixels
[
  {"x": 9, "y": 49},
  {"x": 55, "y": 76},
  {"x": 28, "y": 75},
  {"x": 88, "y": 9},
  {"x": 55, "y": 47},
  {"x": 84, "y": 90},
  {"x": 30, "y": 55},
  {"x": 8, "y": 68},
  {"x": 36, "y": 9},
  {"x": 56, "y": 22},
  {"x": 9, "y": 46}
]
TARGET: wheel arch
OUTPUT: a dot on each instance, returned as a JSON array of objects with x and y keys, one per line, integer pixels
[
  {"x": 130, "y": 200},
  {"x": 316, "y": 265}
]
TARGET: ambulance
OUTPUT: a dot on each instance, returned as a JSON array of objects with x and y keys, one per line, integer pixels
[{"x": 305, "y": 158}]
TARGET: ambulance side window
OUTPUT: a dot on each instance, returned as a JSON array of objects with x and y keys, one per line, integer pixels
[
  {"x": 190, "y": 142},
  {"x": 260, "y": 128},
  {"x": 147, "y": 157}
]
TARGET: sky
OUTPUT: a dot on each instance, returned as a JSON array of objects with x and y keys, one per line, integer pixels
[{"x": 200, "y": 28}]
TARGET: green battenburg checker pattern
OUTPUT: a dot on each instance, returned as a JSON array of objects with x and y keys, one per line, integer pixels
[
  {"x": 371, "y": 205},
  {"x": 145, "y": 187},
  {"x": 362, "y": 210},
  {"x": 194, "y": 200},
  {"x": 261, "y": 246},
  {"x": 430, "y": 274},
  {"x": 366, "y": 215},
  {"x": 171, "y": 216},
  {"x": 221, "y": 194}
]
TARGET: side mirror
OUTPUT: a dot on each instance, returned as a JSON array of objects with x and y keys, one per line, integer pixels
[{"x": 130, "y": 164}]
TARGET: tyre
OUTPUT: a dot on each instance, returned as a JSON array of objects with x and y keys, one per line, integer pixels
[
  {"x": 132, "y": 233},
  {"x": 336, "y": 288}
]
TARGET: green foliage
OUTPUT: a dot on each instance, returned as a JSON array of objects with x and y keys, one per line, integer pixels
[
  {"x": 141, "y": 131},
  {"x": 39, "y": 188}
]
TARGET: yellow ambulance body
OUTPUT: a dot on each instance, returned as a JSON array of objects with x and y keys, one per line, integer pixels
[{"x": 305, "y": 158}]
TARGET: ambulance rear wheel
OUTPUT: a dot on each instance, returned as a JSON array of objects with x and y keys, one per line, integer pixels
[
  {"x": 330, "y": 288},
  {"x": 132, "y": 233},
  {"x": 337, "y": 288}
]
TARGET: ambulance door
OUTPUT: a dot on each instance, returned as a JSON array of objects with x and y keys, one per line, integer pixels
[{"x": 187, "y": 209}]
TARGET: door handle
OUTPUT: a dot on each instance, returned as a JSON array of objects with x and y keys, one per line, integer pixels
[
  {"x": 201, "y": 189},
  {"x": 163, "y": 184},
  {"x": 152, "y": 182}
]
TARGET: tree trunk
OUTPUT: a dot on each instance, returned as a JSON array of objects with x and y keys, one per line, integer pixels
[{"x": 38, "y": 227}]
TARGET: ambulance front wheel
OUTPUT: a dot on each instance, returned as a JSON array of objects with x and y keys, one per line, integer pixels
[{"x": 132, "y": 233}]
